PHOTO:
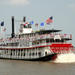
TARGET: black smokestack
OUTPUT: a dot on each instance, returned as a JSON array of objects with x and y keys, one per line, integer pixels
[
  {"x": 13, "y": 34},
  {"x": 24, "y": 19}
]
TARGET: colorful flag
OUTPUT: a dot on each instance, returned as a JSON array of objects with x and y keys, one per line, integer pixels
[
  {"x": 4, "y": 29},
  {"x": 36, "y": 24},
  {"x": 2, "y": 23},
  {"x": 26, "y": 23},
  {"x": 49, "y": 20},
  {"x": 32, "y": 22},
  {"x": 42, "y": 24}
]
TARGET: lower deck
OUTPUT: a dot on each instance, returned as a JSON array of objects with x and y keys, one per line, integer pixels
[{"x": 26, "y": 54}]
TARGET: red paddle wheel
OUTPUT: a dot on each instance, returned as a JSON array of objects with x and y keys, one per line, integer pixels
[{"x": 61, "y": 48}]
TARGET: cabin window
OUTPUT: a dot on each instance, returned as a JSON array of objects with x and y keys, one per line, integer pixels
[
  {"x": 33, "y": 54},
  {"x": 11, "y": 52},
  {"x": 57, "y": 40},
  {"x": 24, "y": 54},
  {"x": 36, "y": 53},
  {"x": 47, "y": 40},
  {"x": 29, "y": 54},
  {"x": 18, "y": 52},
  {"x": 51, "y": 40},
  {"x": 5, "y": 52},
  {"x": 62, "y": 40},
  {"x": 21, "y": 52},
  {"x": 45, "y": 53},
  {"x": 39, "y": 54}
]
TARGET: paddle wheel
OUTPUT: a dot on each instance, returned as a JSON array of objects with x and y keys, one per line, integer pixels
[{"x": 62, "y": 48}]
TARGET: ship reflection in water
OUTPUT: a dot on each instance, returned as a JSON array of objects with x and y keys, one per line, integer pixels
[{"x": 13, "y": 67}]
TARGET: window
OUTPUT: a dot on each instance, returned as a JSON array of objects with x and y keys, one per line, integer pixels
[
  {"x": 47, "y": 40},
  {"x": 29, "y": 54},
  {"x": 24, "y": 54},
  {"x": 11, "y": 52},
  {"x": 36, "y": 53},
  {"x": 39, "y": 53},
  {"x": 45, "y": 53},
  {"x": 33, "y": 54},
  {"x": 18, "y": 52}
]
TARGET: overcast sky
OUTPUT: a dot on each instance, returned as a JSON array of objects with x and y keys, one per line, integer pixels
[{"x": 63, "y": 12}]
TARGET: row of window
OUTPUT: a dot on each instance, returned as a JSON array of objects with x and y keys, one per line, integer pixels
[
  {"x": 21, "y": 53},
  {"x": 10, "y": 44},
  {"x": 46, "y": 41}
]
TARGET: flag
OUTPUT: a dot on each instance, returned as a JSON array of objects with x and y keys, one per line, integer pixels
[
  {"x": 26, "y": 23},
  {"x": 42, "y": 24},
  {"x": 4, "y": 29},
  {"x": 2, "y": 23},
  {"x": 49, "y": 20},
  {"x": 36, "y": 24},
  {"x": 32, "y": 22}
]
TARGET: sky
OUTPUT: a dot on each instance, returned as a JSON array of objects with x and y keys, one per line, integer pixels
[{"x": 63, "y": 12}]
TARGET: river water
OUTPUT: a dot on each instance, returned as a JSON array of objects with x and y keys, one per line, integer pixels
[{"x": 19, "y": 67}]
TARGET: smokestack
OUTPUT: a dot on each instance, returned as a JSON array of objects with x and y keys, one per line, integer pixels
[
  {"x": 13, "y": 34},
  {"x": 24, "y": 19}
]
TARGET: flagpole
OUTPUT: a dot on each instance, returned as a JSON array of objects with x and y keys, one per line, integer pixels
[{"x": 0, "y": 30}]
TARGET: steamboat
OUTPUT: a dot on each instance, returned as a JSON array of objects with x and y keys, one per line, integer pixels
[{"x": 42, "y": 45}]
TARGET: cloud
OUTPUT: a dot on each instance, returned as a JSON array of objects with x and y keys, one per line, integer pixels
[
  {"x": 15, "y": 2},
  {"x": 19, "y": 2},
  {"x": 72, "y": 6}
]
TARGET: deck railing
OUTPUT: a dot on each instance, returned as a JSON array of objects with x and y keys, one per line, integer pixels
[{"x": 44, "y": 36}]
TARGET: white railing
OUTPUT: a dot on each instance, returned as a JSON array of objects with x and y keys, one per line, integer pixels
[
  {"x": 37, "y": 37},
  {"x": 29, "y": 46},
  {"x": 43, "y": 44}
]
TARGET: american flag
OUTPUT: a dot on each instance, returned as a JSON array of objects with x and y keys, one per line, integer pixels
[
  {"x": 2, "y": 23},
  {"x": 26, "y": 23},
  {"x": 36, "y": 24},
  {"x": 4, "y": 29},
  {"x": 49, "y": 20}
]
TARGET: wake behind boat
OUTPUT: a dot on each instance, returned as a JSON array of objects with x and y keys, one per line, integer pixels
[{"x": 42, "y": 45}]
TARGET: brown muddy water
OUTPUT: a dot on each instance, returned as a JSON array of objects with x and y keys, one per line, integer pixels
[{"x": 18, "y": 67}]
